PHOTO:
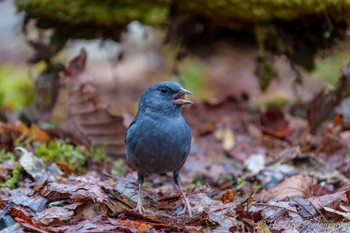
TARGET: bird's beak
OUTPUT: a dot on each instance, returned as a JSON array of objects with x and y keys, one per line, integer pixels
[{"x": 180, "y": 98}]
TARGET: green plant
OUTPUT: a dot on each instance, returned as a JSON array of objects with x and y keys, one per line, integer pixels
[
  {"x": 4, "y": 155},
  {"x": 13, "y": 181},
  {"x": 62, "y": 152},
  {"x": 96, "y": 154},
  {"x": 240, "y": 183},
  {"x": 75, "y": 157}
]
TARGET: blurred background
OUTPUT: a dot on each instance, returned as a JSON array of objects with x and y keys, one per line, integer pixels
[
  {"x": 283, "y": 55},
  {"x": 271, "y": 86},
  {"x": 217, "y": 49}
]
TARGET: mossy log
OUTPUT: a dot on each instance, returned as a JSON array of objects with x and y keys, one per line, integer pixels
[
  {"x": 225, "y": 13},
  {"x": 295, "y": 28}
]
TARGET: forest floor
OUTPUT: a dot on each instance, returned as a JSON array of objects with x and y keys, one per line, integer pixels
[{"x": 251, "y": 168}]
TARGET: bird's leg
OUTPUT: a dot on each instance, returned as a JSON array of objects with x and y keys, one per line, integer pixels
[
  {"x": 140, "y": 179},
  {"x": 185, "y": 200}
]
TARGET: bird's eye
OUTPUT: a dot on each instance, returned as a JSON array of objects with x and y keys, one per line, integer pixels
[{"x": 163, "y": 90}]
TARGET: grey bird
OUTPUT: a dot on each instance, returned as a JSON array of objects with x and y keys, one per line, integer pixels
[{"x": 159, "y": 140}]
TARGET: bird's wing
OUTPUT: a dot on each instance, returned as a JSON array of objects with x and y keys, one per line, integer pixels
[{"x": 133, "y": 122}]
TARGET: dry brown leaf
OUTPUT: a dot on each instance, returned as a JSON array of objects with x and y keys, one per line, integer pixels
[
  {"x": 324, "y": 103},
  {"x": 273, "y": 123},
  {"x": 91, "y": 116},
  {"x": 343, "y": 214},
  {"x": 335, "y": 151},
  {"x": 16, "y": 213},
  {"x": 262, "y": 227},
  {"x": 35, "y": 167},
  {"x": 298, "y": 185},
  {"x": 8, "y": 134},
  {"x": 49, "y": 215},
  {"x": 275, "y": 210},
  {"x": 228, "y": 196},
  {"x": 26, "y": 197},
  {"x": 329, "y": 199},
  {"x": 303, "y": 206},
  {"x": 33, "y": 132},
  {"x": 76, "y": 190}
]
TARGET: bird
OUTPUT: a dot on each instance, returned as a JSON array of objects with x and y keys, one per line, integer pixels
[{"x": 158, "y": 140}]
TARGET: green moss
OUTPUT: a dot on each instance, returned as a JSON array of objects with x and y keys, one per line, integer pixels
[
  {"x": 96, "y": 154},
  {"x": 106, "y": 13},
  {"x": 13, "y": 181},
  {"x": 6, "y": 156},
  {"x": 238, "y": 12},
  {"x": 56, "y": 151},
  {"x": 221, "y": 12},
  {"x": 297, "y": 29},
  {"x": 265, "y": 68},
  {"x": 266, "y": 71},
  {"x": 75, "y": 157}
]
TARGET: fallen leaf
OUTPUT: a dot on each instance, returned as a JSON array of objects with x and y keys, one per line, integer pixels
[
  {"x": 33, "y": 132},
  {"x": 335, "y": 151},
  {"x": 48, "y": 215},
  {"x": 303, "y": 206},
  {"x": 312, "y": 165},
  {"x": 27, "y": 197},
  {"x": 275, "y": 210},
  {"x": 14, "y": 228},
  {"x": 228, "y": 196},
  {"x": 78, "y": 191},
  {"x": 343, "y": 214},
  {"x": 35, "y": 167},
  {"x": 97, "y": 226},
  {"x": 298, "y": 185},
  {"x": 215, "y": 211},
  {"x": 92, "y": 117},
  {"x": 273, "y": 123},
  {"x": 8, "y": 134},
  {"x": 88, "y": 210},
  {"x": 329, "y": 199},
  {"x": 16, "y": 213},
  {"x": 324, "y": 103}
]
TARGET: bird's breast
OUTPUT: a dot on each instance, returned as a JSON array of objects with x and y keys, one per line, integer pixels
[{"x": 159, "y": 145}]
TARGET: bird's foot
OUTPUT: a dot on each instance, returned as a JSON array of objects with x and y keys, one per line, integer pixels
[
  {"x": 187, "y": 206},
  {"x": 139, "y": 208}
]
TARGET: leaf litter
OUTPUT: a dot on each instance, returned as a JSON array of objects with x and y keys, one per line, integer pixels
[{"x": 247, "y": 172}]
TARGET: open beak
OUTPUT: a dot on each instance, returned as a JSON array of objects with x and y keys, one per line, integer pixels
[{"x": 180, "y": 98}]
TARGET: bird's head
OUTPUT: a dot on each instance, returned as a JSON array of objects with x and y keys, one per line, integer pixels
[{"x": 166, "y": 97}]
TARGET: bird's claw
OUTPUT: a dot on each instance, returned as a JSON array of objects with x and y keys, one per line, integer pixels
[
  {"x": 139, "y": 208},
  {"x": 187, "y": 207}
]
